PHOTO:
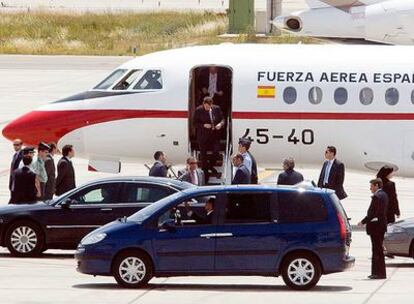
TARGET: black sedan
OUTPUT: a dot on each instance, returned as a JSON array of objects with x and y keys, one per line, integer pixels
[{"x": 30, "y": 229}]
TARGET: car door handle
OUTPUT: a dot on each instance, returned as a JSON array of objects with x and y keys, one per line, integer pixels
[
  {"x": 216, "y": 235},
  {"x": 225, "y": 234},
  {"x": 106, "y": 209}
]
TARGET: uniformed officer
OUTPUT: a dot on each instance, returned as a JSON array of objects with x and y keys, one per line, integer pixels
[
  {"x": 376, "y": 226},
  {"x": 249, "y": 161},
  {"x": 39, "y": 168}
]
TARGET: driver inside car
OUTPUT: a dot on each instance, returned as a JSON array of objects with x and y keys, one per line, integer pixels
[{"x": 208, "y": 217}]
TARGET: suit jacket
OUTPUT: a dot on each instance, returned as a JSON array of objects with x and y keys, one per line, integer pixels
[
  {"x": 254, "y": 175},
  {"x": 202, "y": 117},
  {"x": 335, "y": 179},
  {"x": 393, "y": 205},
  {"x": 17, "y": 158},
  {"x": 50, "y": 187},
  {"x": 289, "y": 177},
  {"x": 207, "y": 219},
  {"x": 376, "y": 219},
  {"x": 242, "y": 176},
  {"x": 186, "y": 177},
  {"x": 65, "y": 180},
  {"x": 158, "y": 169},
  {"x": 24, "y": 186}
]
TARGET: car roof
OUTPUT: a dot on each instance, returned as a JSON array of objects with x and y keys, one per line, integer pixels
[
  {"x": 301, "y": 187},
  {"x": 145, "y": 179}
]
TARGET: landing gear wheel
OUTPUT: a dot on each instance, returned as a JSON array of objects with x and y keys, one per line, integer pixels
[
  {"x": 132, "y": 269},
  {"x": 301, "y": 271},
  {"x": 25, "y": 239}
]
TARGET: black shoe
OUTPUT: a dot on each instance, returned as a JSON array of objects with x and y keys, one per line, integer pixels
[{"x": 376, "y": 277}]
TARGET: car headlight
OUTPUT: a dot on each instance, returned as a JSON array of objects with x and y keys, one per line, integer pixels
[
  {"x": 395, "y": 229},
  {"x": 93, "y": 238}
]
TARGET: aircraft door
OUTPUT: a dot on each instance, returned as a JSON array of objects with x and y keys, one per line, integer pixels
[{"x": 212, "y": 147}]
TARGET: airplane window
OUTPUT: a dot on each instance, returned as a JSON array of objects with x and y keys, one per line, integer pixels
[
  {"x": 290, "y": 95},
  {"x": 392, "y": 96},
  {"x": 151, "y": 80},
  {"x": 109, "y": 81},
  {"x": 341, "y": 96},
  {"x": 412, "y": 97},
  {"x": 366, "y": 96},
  {"x": 315, "y": 95},
  {"x": 127, "y": 80}
]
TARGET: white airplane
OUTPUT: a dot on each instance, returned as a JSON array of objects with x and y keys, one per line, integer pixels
[
  {"x": 291, "y": 100},
  {"x": 390, "y": 22}
]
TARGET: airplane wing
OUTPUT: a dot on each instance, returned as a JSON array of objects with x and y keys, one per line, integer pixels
[{"x": 339, "y": 3}]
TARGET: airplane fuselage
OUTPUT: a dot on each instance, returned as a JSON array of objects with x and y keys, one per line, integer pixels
[{"x": 291, "y": 100}]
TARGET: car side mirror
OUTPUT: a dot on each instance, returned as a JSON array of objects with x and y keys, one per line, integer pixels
[
  {"x": 169, "y": 225},
  {"x": 66, "y": 204}
]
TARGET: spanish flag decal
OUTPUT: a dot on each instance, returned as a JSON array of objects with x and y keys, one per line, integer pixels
[{"x": 266, "y": 92}]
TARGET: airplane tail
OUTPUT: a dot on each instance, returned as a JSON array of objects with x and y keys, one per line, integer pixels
[{"x": 334, "y": 3}]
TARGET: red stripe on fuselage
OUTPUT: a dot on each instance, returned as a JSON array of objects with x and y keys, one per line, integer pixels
[{"x": 50, "y": 126}]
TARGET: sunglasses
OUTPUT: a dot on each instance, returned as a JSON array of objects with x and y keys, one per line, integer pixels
[{"x": 17, "y": 145}]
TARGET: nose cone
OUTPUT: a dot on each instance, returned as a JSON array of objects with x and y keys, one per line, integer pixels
[{"x": 32, "y": 128}]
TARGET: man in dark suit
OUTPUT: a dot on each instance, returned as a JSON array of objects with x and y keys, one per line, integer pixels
[
  {"x": 209, "y": 121},
  {"x": 24, "y": 186},
  {"x": 208, "y": 218},
  {"x": 333, "y": 173},
  {"x": 193, "y": 175},
  {"x": 289, "y": 176},
  {"x": 376, "y": 226},
  {"x": 17, "y": 158},
  {"x": 159, "y": 168},
  {"x": 50, "y": 167},
  {"x": 242, "y": 175},
  {"x": 215, "y": 82},
  {"x": 65, "y": 180}
]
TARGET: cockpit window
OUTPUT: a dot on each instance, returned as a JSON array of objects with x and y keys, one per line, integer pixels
[
  {"x": 151, "y": 80},
  {"x": 109, "y": 81},
  {"x": 126, "y": 82}
]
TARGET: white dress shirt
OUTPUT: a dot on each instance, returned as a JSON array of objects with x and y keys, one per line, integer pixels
[
  {"x": 328, "y": 171},
  {"x": 212, "y": 84}
]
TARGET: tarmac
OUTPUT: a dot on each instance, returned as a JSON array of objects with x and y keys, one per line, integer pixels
[{"x": 30, "y": 81}]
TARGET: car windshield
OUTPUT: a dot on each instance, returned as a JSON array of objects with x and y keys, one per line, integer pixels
[{"x": 146, "y": 212}]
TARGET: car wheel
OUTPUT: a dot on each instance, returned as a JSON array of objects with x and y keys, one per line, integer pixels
[
  {"x": 301, "y": 271},
  {"x": 25, "y": 239},
  {"x": 132, "y": 269}
]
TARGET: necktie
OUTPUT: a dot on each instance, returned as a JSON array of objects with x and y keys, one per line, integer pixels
[
  {"x": 193, "y": 179},
  {"x": 211, "y": 118},
  {"x": 327, "y": 169}
]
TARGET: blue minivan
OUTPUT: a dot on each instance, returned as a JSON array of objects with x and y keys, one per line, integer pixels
[{"x": 298, "y": 232}]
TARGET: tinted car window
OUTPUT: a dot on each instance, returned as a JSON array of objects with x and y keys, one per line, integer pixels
[
  {"x": 298, "y": 207},
  {"x": 98, "y": 194},
  {"x": 190, "y": 212},
  {"x": 248, "y": 208},
  {"x": 140, "y": 193}
]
